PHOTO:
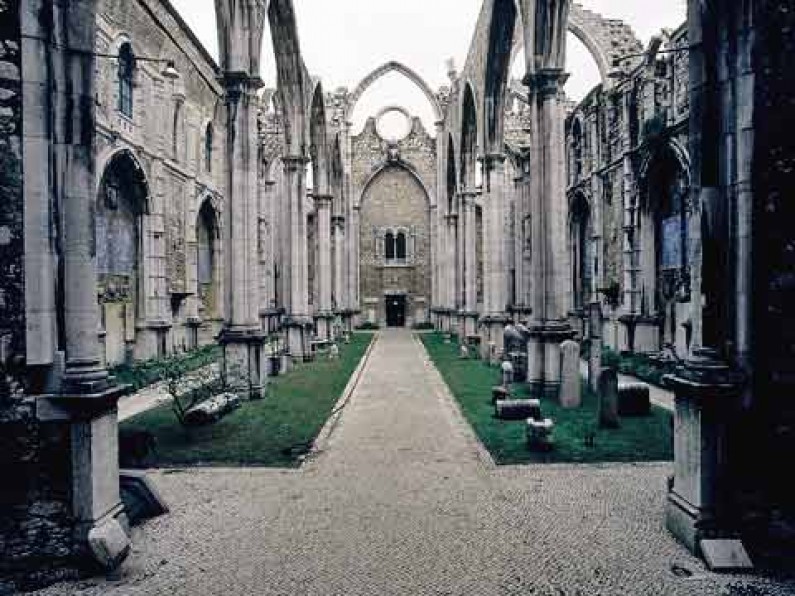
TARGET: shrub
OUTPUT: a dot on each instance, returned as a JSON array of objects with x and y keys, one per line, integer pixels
[{"x": 368, "y": 326}]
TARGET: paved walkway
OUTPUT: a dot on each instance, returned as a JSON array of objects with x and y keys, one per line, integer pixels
[{"x": 401, "y": 501}]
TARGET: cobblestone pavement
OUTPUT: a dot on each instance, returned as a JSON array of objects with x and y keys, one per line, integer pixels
[{"x": 403, "y": 501}]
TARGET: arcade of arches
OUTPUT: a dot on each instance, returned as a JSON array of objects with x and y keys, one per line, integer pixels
[{"x": 181, "y": 211}]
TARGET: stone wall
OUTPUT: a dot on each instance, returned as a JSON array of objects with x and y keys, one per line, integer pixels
[
  {"x": 624, "y": 130},
  {"x": 12, "y": 242},
  {"x": 37, "y": 528},
  {"x": 165, "y": 137}
]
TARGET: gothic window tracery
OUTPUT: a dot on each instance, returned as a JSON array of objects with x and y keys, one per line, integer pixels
[{"x": 126, "y": 75}]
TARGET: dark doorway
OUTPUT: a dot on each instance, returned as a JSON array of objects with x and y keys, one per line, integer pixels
[{"x": 396, "y": 311}]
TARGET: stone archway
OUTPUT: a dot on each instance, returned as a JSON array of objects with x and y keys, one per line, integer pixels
[{"x": 122, "y": 202}]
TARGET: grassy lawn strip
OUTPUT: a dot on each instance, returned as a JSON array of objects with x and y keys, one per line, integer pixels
[
  {"x": 470, "y": 381},
  {"x": 273, "y": 432}
]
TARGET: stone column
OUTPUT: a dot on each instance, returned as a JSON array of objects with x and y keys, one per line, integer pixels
[
  {"x": 338, "y": 226},
  {"x": 451, "y": 221},
  {"x": 299, "y": 322},
  {"x": 242, "y": 337},
  {"x": 549, "y": 325},
  {"x": 495, "y": 282},
  {"x": 325, "y": 314},
  {"x": 470, "y": 310},
  {"x": 88, "y": 398}
]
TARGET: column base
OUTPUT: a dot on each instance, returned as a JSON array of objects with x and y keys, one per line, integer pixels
[
  {"x": 324, "y": 322},
  {"x": 469, "y": 322},
  {"x": 244, "y": 362},
  {"x": 299, "y": 332},
  {"x": 492, "y": 330},
  {"x": 687, "y": 523},
  {"x": 543, "y": 357}
]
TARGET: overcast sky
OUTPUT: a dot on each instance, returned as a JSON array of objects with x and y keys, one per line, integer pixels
[{"x": 343, "y": 40}]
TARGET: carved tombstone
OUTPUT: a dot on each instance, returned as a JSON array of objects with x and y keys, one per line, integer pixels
[{"x": 570, "y": 388}]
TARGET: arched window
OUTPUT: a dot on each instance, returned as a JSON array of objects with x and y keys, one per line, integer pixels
[
  {"x": 389, "y": 246},
  {"x": 400, "y": 247},
  {"x": 577, "y": 151},
  {"x": 579, "y": 235},
  {"x": 126, "y": 74},
  {"x": 206, "y": 234},
  {"x": 208, "y": 148}
]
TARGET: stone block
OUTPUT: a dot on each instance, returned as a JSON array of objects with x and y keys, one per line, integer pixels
[
  {"x": 725, "y": 555},
  {"x": 141, "y": 498},
  {"x": 109, "y": 543},
  {"x": 212, "y": 410},
  {"x": 518, "y": 409},
  {"x": 571, "y": 386},
  {"x": 634, "y": 400},
  {"x": 539, "y": 434}
]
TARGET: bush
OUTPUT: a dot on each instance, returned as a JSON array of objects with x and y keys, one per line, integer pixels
[
  {"x": 149, "y": 372},
  {"x": 368, "y": 326},
  {"x": 424, "y": 326}
]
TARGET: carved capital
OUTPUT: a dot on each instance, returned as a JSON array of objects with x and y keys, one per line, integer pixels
[{"x": 546, "y": 83}]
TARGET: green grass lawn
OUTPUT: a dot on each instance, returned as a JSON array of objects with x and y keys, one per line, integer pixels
[
  {"x": 274, "y": 432},
  {"x": 470, "y": 381}
]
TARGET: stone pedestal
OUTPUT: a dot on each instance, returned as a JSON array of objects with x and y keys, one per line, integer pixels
[
  {"x": 244, "y": 362},
  {"x": 492, "y": 330},
  {"x": 101, "y": 524},
  {"x": 707, "y": 392},
  {"x": 469, "y": 324},
  {"x": 544, "y": 358},
  {"x": 299, "y": 335},
  {"x": 324, "y": 323}
]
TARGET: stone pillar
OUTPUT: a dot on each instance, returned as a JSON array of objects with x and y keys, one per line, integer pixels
[
  {"x": 551, "y": 282},
  {"x": 470, "y": 310},
  {"x": 338, "y": 227},
  {"x": 325, "y": 314},
  {"x": 242, "y": 338},
  {"x": 707, "y": 395},
  {"x": 299, "y": 323},
  {"x": 451, "y": 221},
  {"x": 495, "y": 282},
  {"x": 88, "y": 398}
]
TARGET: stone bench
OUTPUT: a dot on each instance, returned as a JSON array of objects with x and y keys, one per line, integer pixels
[
  {"x": 634, "y": 399},
  {"x": 212, "y": 410},
  {"x": 517, "y": 409},
  {"x": 539, "y": 434}
]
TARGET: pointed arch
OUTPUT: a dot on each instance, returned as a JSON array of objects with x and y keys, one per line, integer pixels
[
  {"x": 382, "y": 71},
  {"x": 452, "y": 175},
  {"x": 401, "y": 165},
  {"x": 498, "y": 63},
  {"x": 469, "y": 137},
  {"x": 319, "y": 144}
]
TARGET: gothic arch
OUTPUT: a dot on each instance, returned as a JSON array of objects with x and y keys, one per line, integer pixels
[
  {"x": 502, "y": 29},
  {"x": 319, "y": 144},
  {"x": 386, "y": 166},
  {"x": 469, "y": 136},
  {"x": 606, "y": 39},
  {"x": 292, "y": 78},
  {"x": 136, "y": 170},
  {"x": 382, "y": 71}
]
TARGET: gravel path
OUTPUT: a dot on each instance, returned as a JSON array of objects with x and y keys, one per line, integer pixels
[{"x": 402, "y": 500}]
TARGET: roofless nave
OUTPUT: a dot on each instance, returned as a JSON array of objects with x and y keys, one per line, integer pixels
[{"x": 161, "y": 199}]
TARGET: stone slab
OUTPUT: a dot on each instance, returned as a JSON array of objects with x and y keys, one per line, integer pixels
[{"x": 725, "y": 555}]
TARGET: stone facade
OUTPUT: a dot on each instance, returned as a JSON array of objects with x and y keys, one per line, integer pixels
[
  {"x": 391, "y": 181},
  {"x": 628, "y": 193},
  {"x": 155, "y": 298}
]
